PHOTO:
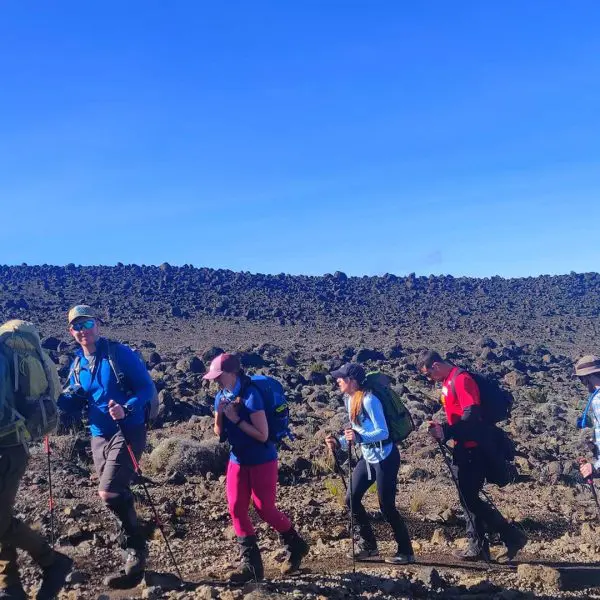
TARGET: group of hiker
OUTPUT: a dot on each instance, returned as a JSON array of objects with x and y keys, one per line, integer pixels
[{"x": 109, "y": 382}]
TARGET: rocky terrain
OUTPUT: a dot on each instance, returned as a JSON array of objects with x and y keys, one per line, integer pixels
[{"x": 526, "y": 332}]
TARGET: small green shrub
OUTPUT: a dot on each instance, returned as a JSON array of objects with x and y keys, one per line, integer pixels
[
  {"x": 188, "y": 456},
  {"x": 336, "y": 490},
  {"x": 537, "y": 396}
]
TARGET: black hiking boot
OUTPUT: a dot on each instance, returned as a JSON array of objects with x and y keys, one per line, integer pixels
[
  {"x": 296, "y": 549},
  {"x": 123, "y": 581},
  {"x": 364, "y": 548},
  {"x": 132, "y": 543},
  {"x": 251, "y": 567},
  {"x": 515, "y": 540},
  {"x": 474, "y": 552},
  {"x": 132, "y": 572},
  {"x": 54, "y": 576},
  {"x": 366, "y": 544}
]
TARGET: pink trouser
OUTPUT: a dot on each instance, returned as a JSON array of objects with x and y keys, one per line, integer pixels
[{"x": 258, "y": 482}]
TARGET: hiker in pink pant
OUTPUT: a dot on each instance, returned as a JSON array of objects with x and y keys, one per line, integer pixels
[{"x": 240, "y": 418}]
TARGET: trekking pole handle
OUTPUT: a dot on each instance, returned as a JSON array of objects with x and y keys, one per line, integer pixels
[{"x": 581, "y": 460}]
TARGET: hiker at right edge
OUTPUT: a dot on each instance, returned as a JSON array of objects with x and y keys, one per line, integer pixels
[
  {"x": 380, "y": 463},
  {"x": 587, "y": 370},
  {"x": 461, "y": 400}
]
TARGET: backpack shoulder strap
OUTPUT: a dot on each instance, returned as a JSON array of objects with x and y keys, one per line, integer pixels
[
  {"x": 111, "y": 355},
  {"x": 458, "y": 372},
  {"x": 587, "y": 407},
  {"x": 75, "y": 370}
]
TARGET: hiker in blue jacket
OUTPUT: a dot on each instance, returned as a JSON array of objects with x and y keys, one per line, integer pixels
[
  {"x": 380, "y": 463},
  {"x": 94, "y": 386}
]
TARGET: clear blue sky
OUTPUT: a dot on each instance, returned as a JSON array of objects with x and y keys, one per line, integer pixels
[{"x": 303, "y": 136}]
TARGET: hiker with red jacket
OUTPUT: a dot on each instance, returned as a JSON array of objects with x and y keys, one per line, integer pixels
[
  {"x": 462, "y": 404},
  {"x": 252, "y": 472},
  {"x": 379, "y": 464}
]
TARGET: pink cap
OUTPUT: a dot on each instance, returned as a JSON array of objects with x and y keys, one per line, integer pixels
[{"x": 224, "y": 363}]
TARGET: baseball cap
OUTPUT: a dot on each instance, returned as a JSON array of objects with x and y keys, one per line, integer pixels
[
  {"x": 224, "y": 363},
  {"x": 587, "y": 365},
  {"x": 351, "y": 371},
  {"x": 81, "y": 310}
]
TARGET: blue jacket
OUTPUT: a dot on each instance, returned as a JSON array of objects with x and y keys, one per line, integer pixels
[
  {"x": 101, "y": 385},
  {"x": 245, "y": 450},
  {"x": 371, "y": 429}
]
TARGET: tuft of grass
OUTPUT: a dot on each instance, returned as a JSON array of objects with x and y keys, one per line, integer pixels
[
  {"x": 336, "y": 490},
  {"x": 322, "y": 465},
  {"x": 417, "y": 502}
]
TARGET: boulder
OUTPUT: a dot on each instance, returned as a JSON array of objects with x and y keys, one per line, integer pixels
[{"x": 190, "y": 364}]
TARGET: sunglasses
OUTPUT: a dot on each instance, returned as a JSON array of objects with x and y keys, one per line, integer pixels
[{"x": 88, "y": 324}]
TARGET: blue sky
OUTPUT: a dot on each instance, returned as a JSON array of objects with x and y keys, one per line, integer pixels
[{"x": 304, "y": 136}]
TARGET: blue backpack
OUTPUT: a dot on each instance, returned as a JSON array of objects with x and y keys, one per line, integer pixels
[{"x": 276, "y": 407}]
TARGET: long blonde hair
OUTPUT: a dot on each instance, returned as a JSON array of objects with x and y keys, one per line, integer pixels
[{"x": 356, "y": 405}]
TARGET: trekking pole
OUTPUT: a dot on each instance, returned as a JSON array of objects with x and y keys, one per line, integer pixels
[
  {"x": 461, "y": 498},
  {"x": 338, "y": 469},
  {"x": 138, "y": 472},
  {"x": 590, "y": 481},
  {"x": 351, "y": 506},
  {"x": 50, "y": 496}
]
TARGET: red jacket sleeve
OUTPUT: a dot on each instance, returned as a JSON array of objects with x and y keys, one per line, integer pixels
[{"x": 467, "y": 391}]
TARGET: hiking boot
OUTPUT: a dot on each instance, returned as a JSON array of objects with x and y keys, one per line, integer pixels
[
  {"x": 13, "y": 592},
  {"x": 132, "y": 572},
  {"x": 296, "y": 549},
  {"x": 363, "y": 551},
  {"x": 135, "y": 562},
  {"x": 474, "y": 552},
  {"x": 123, "y": 581},
  {"x": 54, "y": 576},
  {"x": 400, "y": 559},
  {"x": 515, "y": 541},
  {"x": 251, "y": 567}
]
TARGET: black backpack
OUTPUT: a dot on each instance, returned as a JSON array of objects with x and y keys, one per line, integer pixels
[
  {"x": 499, "y": 455},
  {"x": 495, "y": 444},
  {"x": 496, "y": 401}
]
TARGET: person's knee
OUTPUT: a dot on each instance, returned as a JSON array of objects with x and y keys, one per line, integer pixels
[
  {"x": 107, "y": 496},
  {"x": 238, "y": 510}
]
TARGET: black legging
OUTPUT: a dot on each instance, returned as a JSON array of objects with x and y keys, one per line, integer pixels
[{"x": 385, "y": 473}]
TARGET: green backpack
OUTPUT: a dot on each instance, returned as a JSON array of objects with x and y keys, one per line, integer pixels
[
  {"x": 397, "y": 417},
  {"x": 29, "y": 386}
]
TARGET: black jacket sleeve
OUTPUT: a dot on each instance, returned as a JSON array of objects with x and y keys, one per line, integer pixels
[{"x": 469, "y": 426}]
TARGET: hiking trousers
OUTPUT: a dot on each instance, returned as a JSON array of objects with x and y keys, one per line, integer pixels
[
  {"x": 259, "y": 483},
  {"x": 469, "y": 468},
  {"x": 13, "y": 532},
  {"x": 385, "y": 474}
]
